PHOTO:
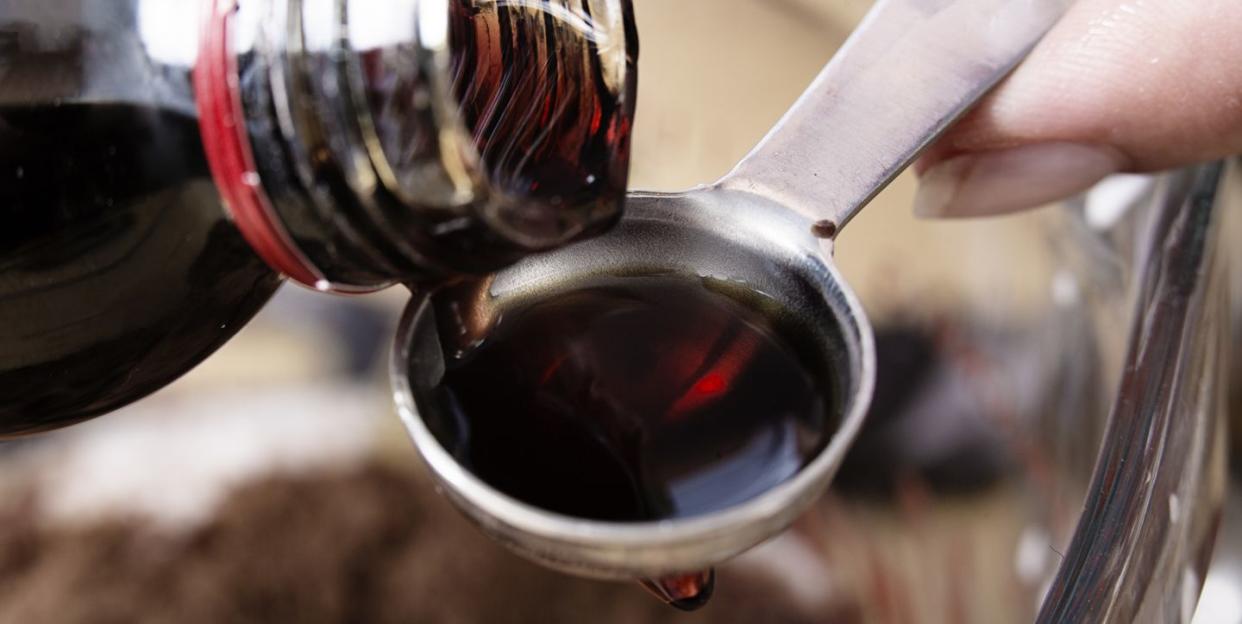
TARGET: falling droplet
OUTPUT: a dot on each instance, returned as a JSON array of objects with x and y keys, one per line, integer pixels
[{"x": 687, "y": 592}]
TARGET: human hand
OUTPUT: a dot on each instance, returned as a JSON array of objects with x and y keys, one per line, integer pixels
[{"x": 1117, "y": 86}]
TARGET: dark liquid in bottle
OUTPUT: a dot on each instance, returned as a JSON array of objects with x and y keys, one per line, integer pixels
[
  {"x": 547, "y": 87},
  {"x": 631, "y": 399},
  {"x": 118, "y": 268}
]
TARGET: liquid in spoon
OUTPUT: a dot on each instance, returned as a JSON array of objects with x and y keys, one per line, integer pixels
[{"x": 629, "y": 399}]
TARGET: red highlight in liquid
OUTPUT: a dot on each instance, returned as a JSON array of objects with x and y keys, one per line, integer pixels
[{"x": 716, "y": 381}]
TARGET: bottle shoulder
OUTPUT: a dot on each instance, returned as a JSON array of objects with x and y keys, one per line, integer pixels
[{"x": 119, "y": 270}]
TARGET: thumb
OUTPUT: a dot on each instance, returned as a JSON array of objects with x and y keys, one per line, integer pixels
[{"x": 1117, "y": 86}]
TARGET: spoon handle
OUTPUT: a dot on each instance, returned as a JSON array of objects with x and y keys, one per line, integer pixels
[{"x": 907, "y": 73}]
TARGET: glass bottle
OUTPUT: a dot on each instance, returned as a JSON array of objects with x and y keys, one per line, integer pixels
[{"x": 163, "y": 163}]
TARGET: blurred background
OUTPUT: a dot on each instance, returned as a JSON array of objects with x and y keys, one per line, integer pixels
[{"x": 275, "y": 484}]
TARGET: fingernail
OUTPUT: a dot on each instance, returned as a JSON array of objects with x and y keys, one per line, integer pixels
[{"x": 1015, "y": 179}]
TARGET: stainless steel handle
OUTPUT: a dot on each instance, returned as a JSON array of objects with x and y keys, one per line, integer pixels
[{"x": 910, "y": 69}]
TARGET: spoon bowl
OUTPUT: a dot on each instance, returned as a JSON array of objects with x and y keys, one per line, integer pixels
[{"x": 722, "y": 235}]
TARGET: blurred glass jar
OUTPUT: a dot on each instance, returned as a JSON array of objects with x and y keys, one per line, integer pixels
[
  {"x": 1231, "y": 198},
  {"x": 1002, "y": 346}
]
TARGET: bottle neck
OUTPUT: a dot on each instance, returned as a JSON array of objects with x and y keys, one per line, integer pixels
[{"x": 359, "y": 143}]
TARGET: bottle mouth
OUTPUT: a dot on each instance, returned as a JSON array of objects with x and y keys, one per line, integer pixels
[{"x": 359, "y": 143}]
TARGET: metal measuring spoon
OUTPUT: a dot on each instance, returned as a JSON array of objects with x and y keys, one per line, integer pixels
[{"x": 910, "y": 70}]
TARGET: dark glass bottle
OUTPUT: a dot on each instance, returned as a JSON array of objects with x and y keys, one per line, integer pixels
[{"x": 164, "y": 162}]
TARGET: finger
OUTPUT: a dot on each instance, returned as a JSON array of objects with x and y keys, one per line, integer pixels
[{"x": 1118, "y": 85}]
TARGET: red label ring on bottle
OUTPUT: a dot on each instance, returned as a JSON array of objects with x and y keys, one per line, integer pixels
[{"x": 221, "y": 122}]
